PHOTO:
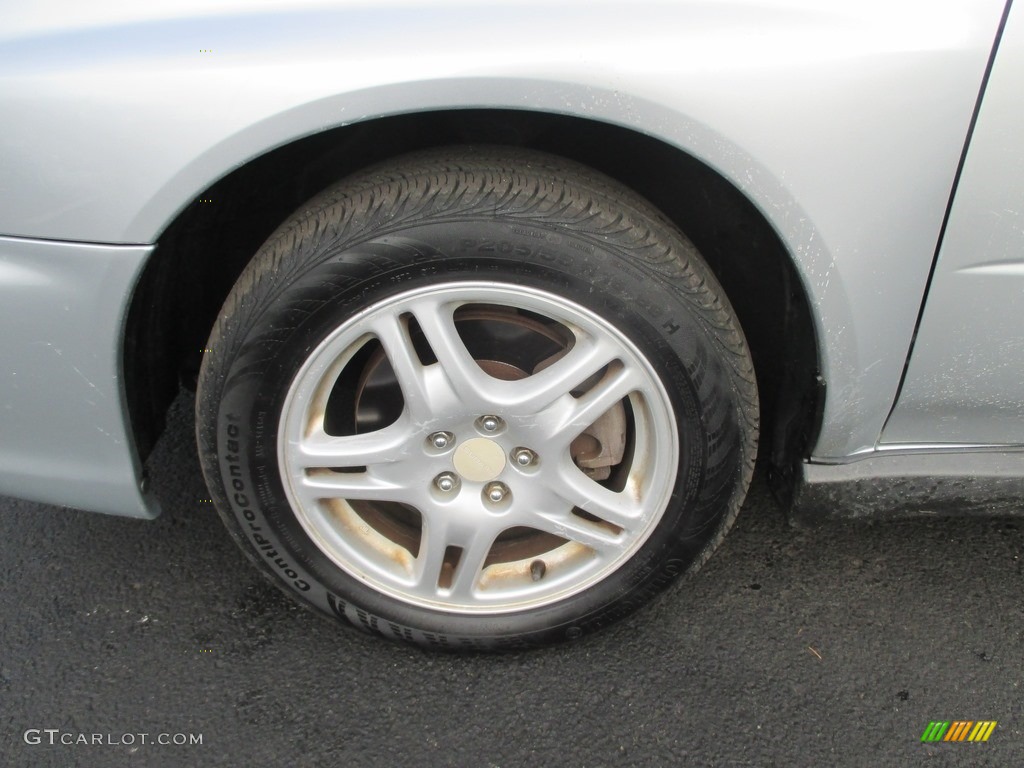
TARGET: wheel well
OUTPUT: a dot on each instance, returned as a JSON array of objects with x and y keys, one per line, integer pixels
[{"x": 202, "y": 252}]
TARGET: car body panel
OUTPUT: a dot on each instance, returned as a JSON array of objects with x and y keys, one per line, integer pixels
[
  {"x": 911, "y": 482},
  {"x": 843, "y": 122},
  {"x": 965, "y": 380},
  {"x": 65, "y": 436}
]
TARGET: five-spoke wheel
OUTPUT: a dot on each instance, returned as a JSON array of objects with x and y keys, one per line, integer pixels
[
  {"x": 477, "y": 398},
  {"x": 502, "y": 479}
]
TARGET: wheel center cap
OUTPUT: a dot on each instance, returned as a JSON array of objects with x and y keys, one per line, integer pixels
[{"x": 479, "y": 460}]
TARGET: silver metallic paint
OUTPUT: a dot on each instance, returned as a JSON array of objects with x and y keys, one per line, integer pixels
[
  {"x": 890, "y": 485},
  {"x": 843, "y": 122},
  {"x": 64, "y": 438},
  {"x": 965, "y": 382}
]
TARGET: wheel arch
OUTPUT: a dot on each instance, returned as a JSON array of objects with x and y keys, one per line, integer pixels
[{"x": 204, "y": 247}]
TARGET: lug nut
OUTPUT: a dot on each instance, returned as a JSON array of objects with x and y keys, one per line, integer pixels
[
  {"x": 524, "y": 457},
  {"x": 441, "y": 439},
  {"x": 446, "y": 482},
  {"x": 496, "y": 492},
  {"x": 490, "y": 423}
]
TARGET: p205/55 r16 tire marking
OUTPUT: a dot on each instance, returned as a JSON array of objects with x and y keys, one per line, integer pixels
[{"x": 489, "y": 302}]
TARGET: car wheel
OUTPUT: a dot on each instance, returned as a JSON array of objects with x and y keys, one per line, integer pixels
[{"x": 477, "y": 398}]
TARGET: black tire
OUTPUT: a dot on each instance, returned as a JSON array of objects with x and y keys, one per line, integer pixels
[{"x": 504, "y": 216}]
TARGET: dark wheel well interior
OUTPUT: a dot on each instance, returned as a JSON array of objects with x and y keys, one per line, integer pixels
[{"x": 201, "y": 253}]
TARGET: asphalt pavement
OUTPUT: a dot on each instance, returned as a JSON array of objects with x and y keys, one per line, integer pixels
[{"x": 792, "y": 647}]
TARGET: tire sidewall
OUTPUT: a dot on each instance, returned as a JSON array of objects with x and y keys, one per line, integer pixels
[{"x": 327, "y": 285}]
